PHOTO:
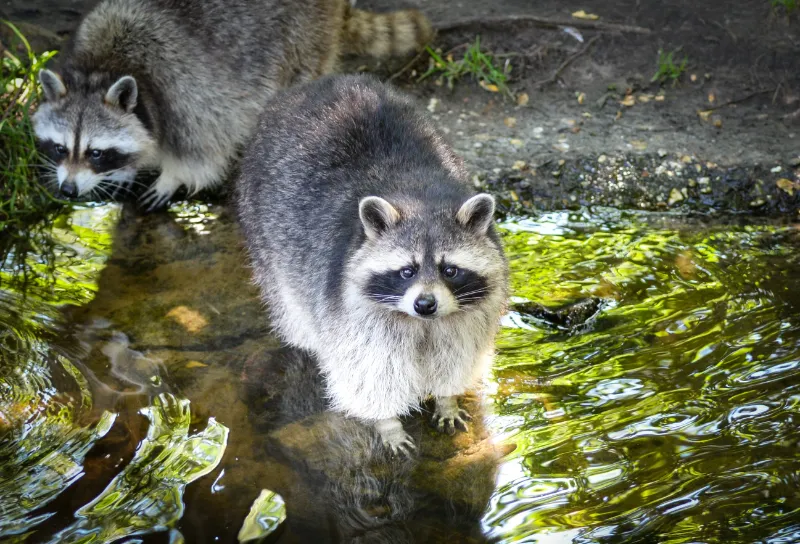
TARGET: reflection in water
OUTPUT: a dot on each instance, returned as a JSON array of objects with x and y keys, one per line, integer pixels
[
  {"x": 649, "y": 375},
  {"x": 339, "y": 483}
]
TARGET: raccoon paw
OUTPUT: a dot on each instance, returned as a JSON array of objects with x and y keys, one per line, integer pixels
[
  {"x": 395, "y": 438},
  {"x": 156, "y": 196},
  {"x": 448, "y": 416}
]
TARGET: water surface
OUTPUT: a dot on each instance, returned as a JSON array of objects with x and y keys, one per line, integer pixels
[{"x": 142, "y": 397}]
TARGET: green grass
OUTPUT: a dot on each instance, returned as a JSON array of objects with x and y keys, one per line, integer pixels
[
  {"x": 476, "y": 63},
  {"x": 668, "y": 70},
  {"x": 788, "y": 5},
  {"x": 23, "y": 196}
]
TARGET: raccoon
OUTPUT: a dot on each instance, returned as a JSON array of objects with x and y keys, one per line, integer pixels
[
  {"x": 372, "y": 251},
  {"x": 177, "y": 85}
]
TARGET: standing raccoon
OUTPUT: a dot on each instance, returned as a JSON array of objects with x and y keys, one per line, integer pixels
[
  {"x": 178, "y": 85},
  {"x": 371, "y": 250}
]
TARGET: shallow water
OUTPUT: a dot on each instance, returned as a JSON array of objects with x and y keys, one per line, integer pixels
[{"x": 647, "y": 389}]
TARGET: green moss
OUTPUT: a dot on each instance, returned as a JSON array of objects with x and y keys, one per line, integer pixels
[{"x": 477, "y": 63}]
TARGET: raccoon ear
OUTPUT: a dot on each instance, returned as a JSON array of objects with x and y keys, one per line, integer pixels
[
  {"x": 52, "y": 85},
  {"x": 123, "y": 94},
  {"x": 477, "y": 213},
  {"x": 377, "y": 215}
]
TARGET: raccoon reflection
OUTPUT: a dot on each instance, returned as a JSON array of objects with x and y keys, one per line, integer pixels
[
  {"x": 372, "y": 251},
  {"x": 337, "y": 482},
  {"x": 177, "y": 86}
]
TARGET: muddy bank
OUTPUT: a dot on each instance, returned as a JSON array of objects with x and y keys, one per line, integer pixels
[{"x": 585, "y": 124}]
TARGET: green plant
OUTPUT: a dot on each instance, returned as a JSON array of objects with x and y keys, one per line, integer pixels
[
  {"x": 23, "y": 196},
  {"x": 668, "y": 70},
  {"x": 788, "y": 5},
  {"x": 479, "y": 64}
]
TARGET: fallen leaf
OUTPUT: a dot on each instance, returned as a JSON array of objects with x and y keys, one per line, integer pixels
[
  {"x": 618, "y": 116},
  {"x": 491, "y": 87},
  {"x": 685, "y": 264},
  {"x": 638, "y": 144},
  {"x": 645, "y": 98},
  {"x": 510, "y": 122},
  {"x": 718, "y": 122},
  {"x": 583, "y": 15},
  {"x": 195, "y": 364},
  {"x": 787, "y": 185},
  {"x": 629, "y": 101},
  {"x": 704, "y": 114},
  {"x": 693, "y": 77},
  {"x": 191, "y": 320},
  {"x": 660, "y": 98},
  {"x": 514, "y": 196},
  {"x": 711, "y": 98},
  {"x": 581, "y": 98},
  {"x": 522, "y": 99},
  {"x": 516, "y": 141},
  {"x": 519, "y": 165}
]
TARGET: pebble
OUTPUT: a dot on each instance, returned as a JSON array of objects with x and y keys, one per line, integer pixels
[{"x": 675, "y": 196}]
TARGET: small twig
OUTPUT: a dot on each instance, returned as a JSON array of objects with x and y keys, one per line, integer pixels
[
  {"x": 566, "y": 63},
  {"x": 742, "y": 99},
  {"x": 543, "y": 23},
  {"x": 411, "y": 63}
]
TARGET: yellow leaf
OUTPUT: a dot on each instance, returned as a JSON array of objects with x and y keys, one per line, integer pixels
[
  {"x": 519, "y": 165},
  {"x": 510, "y": 122},
  {"x": 195, "y": 364},
  {"x": 583, "y": 15},
  {"x": 704, "y": 114},
  {"x": 489, "y": 86},
  {"x": 787, "y": 185},
  {"x": 711, "y": 98},
  {"x": 660, "y": 98},
  {"x": 628, "y": 101},
  {"x": 514, "y": 196},
  {"x": 515, "y": 141},
  {"x": 522, "y": 99},
  {"x": 191, "y": 320},
  {"x": 693, "y": 77},
  {"x": 638, "y": 144},
  {"x": 581, "y": 98},
  {"x": 718, "y": 122}
]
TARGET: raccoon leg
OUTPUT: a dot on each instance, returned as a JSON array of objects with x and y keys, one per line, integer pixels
[
  {"x": 160, "y": 191},
  {"x": 394, "y": 437},
  {"x": 448, "y": 416}
]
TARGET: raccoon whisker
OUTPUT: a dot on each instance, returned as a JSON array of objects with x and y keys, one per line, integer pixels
[
  {"x": 467, "y": 286},
  {"x": 476, "y": 292}
]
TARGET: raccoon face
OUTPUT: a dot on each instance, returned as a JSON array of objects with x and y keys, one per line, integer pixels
[
  {"x": 428, "y": 265},
  {"x": 91, "y": 138}
]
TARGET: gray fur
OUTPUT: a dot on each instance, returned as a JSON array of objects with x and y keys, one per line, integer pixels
[
  {"x": 196, "y": 74},
  {"x": 318, "y": 242}
]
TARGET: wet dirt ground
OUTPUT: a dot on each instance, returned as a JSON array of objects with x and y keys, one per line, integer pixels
[{"x": 740, "y": 153}]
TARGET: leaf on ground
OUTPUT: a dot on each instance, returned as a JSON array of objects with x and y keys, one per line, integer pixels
[
  {"x": 711, "y": 98},
  {"x": 195, "y": 364},
  {"x": 510, "y": 122},
  {"x": 522, "y": 99},
  {"x": 638, "y": 144},
  {"x": 580, "y": 14},
  {"x": 581, "y": 98},
  {"x": 629, "y": 100},
  {"x": 491, "y": 87},
  {"x": 787, "y": 186},
  {"x": 645, "y": 98},
  {"x": 660, "y": 98},
  {"x": 704, "y": 114}
]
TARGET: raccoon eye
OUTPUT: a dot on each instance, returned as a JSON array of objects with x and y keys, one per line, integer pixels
[
  {"x": 96, "y": 153},
  {"x": 451, "y": 271},
  {"x": 407, "y": 273},
  {"x": 60, "y": 149}
]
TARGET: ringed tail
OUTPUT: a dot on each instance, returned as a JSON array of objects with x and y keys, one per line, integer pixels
[{"x": 383, "y": 35}]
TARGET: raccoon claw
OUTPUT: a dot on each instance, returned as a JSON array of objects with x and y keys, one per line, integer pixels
[
  {"x": 448, "y": 417},
  {"x": 395, "y": 438},
  {"x": 153, "y": 198}
]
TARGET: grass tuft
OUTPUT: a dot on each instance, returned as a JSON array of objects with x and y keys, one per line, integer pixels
[
  {"x": 668, "y": 70},
  {"x": 476, "y": 63},
  {"x": 23, "y": 197},
  {"x": 788, "y": 5}
]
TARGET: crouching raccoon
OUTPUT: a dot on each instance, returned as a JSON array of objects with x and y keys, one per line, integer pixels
[
  {"x": 372, "y": 251},
  {"x": 177, "y": 86}
]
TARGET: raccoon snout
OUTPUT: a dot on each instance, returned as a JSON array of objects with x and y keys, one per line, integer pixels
[
  {"x": 69, "y": 189},
  {"x": 425, "y": 305}
]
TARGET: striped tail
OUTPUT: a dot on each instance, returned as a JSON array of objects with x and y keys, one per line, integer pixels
[{"x": 382, "y": 35}]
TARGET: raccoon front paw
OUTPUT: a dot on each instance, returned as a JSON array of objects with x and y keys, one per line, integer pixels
[
  {"x": 448, "y": 416},
  {"x": 395, "y": 438},
  {"x": 157, "y": 195}
]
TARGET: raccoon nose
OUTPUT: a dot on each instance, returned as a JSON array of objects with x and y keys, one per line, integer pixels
[
  {"x": 425, "y": 305},
  {"x": 69, "y": 189}
]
